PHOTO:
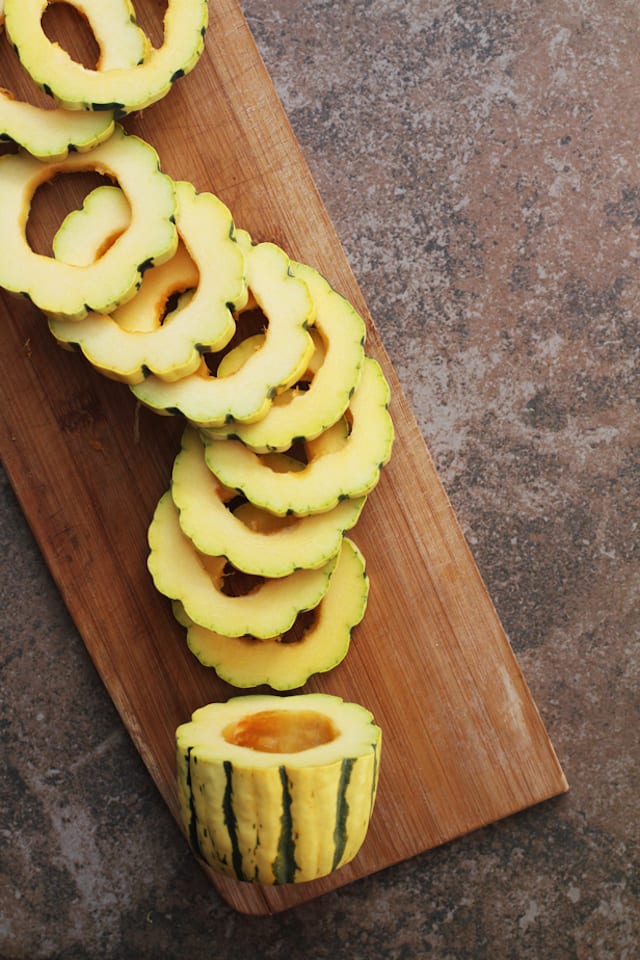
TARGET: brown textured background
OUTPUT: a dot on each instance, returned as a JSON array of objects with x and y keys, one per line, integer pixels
[{"x": 479, "y": 161}]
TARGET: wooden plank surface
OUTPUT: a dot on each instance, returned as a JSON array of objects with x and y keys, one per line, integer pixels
[{"x": 464, "y": 744}]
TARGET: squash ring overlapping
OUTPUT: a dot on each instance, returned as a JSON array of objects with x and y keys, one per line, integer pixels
[
  {"x": 51, "y": 134},
  {"x": 65, "y": 290},
  {"x": 210, "y": 263},
  {"x": 117, "y": 87}
]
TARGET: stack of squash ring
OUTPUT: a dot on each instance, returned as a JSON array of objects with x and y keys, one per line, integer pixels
[{"x": 286, "y": 420}]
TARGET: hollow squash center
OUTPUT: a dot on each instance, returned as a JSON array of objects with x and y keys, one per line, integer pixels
[{"x": 281, "y": 731}]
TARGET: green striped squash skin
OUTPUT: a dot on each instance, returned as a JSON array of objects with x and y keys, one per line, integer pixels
[{"x": 278, "y": 824}]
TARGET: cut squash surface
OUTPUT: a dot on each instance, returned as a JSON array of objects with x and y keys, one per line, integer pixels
[
  {"x": 181, "y": 573},
  {"x": 330, "y": 476},
  {"x": 120, "y": 83},
  {"x": 252, "y": 539},
  {"x": 246, "y": 394},
  {"x": 60, "y": 289},
  {"x": 283, "y": 662},
  {"x": 305, "y": 413},
  {"x": 139, "y": 339},
  {"x": 88, "y": 231},
  {"x": 278, "y": 789},
  {"x": 51, "y": 134}
]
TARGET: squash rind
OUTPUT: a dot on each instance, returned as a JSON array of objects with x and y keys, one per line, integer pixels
[{"x": 272, "y": 818}]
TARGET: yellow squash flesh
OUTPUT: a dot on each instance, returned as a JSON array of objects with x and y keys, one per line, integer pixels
[
  {"x": 181, "y": 573},
  {"x": 137, "y": 340},
  {"x": 60, "y": 289},
  {"x": 284, "y": 663},
  {"x": 116, "y": 85}
]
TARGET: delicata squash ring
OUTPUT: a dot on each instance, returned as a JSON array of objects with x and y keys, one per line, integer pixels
[
  {"x": 115, "y": 86},
  {"x": 266, "y": 545},
  {"x": 349, "y": 467},
  {"x": 206, "y": 399},
  {"x": 136, "y": 340},
  {"x": 281, "y": 663},
  {"x": 52, "y": 134},
  {"x": 70, "y": 291},
  {"x": 181, "y": 572},
  {"x": 304, "y": 414}
]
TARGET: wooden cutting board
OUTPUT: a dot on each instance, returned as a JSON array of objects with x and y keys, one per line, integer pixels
[{"x": 464, "y": 744}]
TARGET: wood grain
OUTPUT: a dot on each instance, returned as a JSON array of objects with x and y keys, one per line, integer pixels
[{"x": 464, "y": 744}]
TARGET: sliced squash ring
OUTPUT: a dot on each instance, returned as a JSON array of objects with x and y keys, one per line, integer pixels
[
  {"x": 82, "y": 239},
  {"x": 121, "y": 42},
  {"x": 60, "y": 289},
  {"x": 306, "y": 413},
  {"x": 282, "y": 664},
  {"x": 51, "y": 134},
  {"x": 277, "y": 789},
  {"x": 264, "y": 547},
  {"x": 135, "y": 341},
  {"x": 208, "y": 400},
  {"x": 352, "y": 470},
  {"x": 181, "y": 573},
  {"x": 116, "y": 86}
]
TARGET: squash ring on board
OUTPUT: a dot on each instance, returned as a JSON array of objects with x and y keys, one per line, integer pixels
[
  {"x": 285, "y": 664},
  {"x": 136, "y": 341},
  {"x": 251, "y": 539},
  {"x": 304, "y": 414},
  {"x": 116, "y": 85},
  {"x": 60, "y": 289},
  {"x": 181, "y": 573},
  {"x": 331, "y": 474},
  {"x": 51, "y": 134},
  {"x": 209, "y": 400}
]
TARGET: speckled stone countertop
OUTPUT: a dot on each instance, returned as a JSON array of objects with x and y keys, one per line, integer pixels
[{"x": 480, "y": 162}]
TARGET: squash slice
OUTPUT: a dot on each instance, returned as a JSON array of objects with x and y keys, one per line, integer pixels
[
  {"x": 137, "y": 340},
  {"x": 181, "y": 573},
  {"x": 278, "y": 789},
  {"x": 90, "y": 230},
  {"x": 119, "y": 85},
  {"x": 283, "y": 663},
  {"x": 60, "y": 289},
  {"x": 51, "y": 134},
  {"x": 251, "y": 539},
  {"x": 305, "y": 413},
  {"x": 206, "y": 399},
  {"x": 330, "y": 476}
]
